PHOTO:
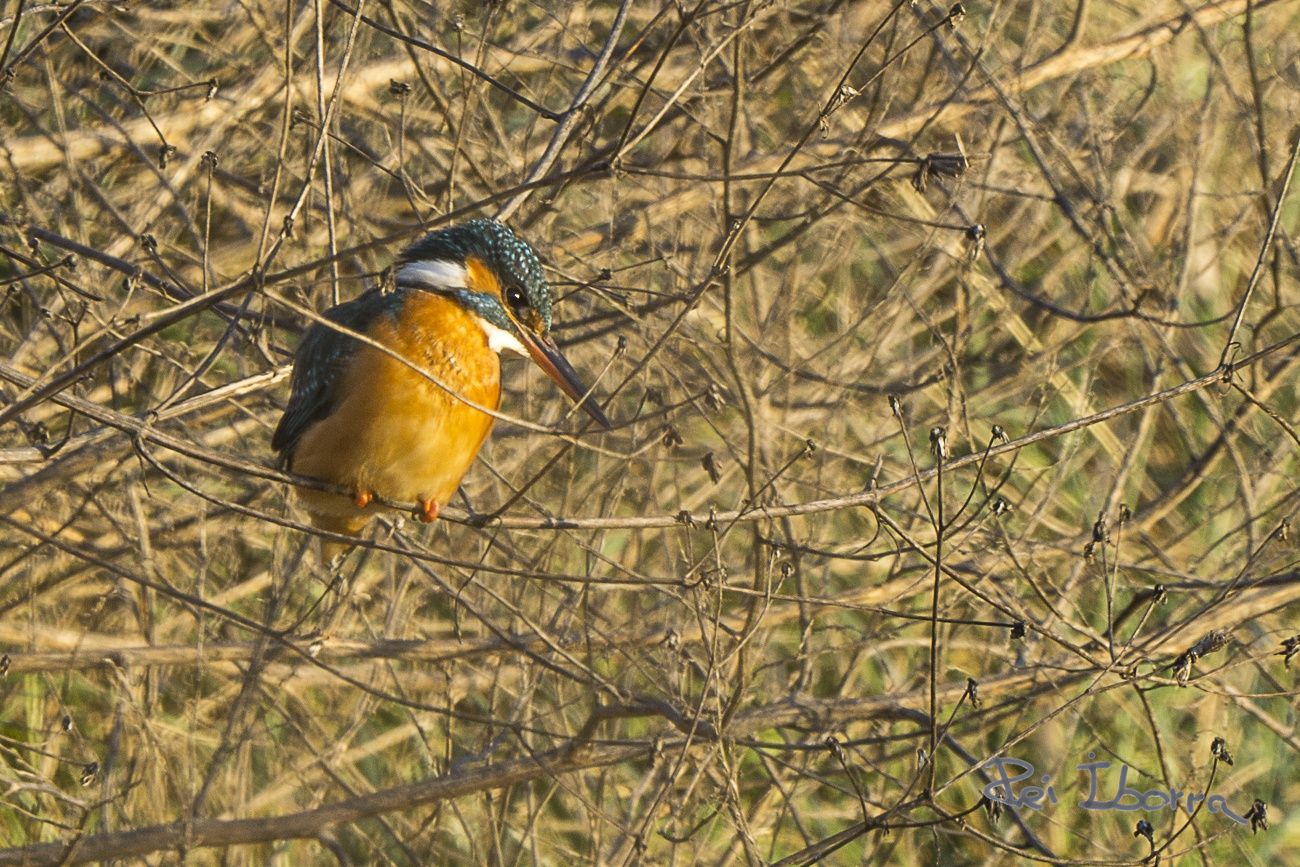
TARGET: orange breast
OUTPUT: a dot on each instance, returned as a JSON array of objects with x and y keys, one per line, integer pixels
[{"x": 393, "y": 432}]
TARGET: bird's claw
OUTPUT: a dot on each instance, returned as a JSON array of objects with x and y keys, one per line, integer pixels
[
  {"x": 361, "y": 498},
  {"x": 428, "y": 511}
]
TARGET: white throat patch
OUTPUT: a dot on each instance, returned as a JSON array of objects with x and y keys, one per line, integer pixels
[
  {"x": 499, "y": 339},
  {"x": 436, "y": 274}
]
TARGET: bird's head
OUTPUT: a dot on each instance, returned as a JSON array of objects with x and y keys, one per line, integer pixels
[{"x": 494, "y": 274}]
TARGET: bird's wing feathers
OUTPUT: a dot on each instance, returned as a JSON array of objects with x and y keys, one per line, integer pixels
[{"x": 320, "y": 361}]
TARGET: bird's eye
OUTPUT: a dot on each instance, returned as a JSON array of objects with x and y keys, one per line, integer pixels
[{"x": 515, "y": 298}]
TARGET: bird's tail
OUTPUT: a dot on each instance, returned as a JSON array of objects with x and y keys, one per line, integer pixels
[{"x": 348, "y": 525}]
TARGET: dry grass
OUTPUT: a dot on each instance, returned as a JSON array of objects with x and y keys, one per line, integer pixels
[{"x": 721, "y": 632}]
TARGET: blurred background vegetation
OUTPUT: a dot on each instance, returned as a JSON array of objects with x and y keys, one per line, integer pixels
[{"x": 808, "y": 248}]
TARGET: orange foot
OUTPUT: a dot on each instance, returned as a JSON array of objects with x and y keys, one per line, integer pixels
[
  {"x": 361, "y": 498},
  {"x": 428, "y": 511}
]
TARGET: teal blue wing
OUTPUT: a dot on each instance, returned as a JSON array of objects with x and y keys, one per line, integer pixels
[{"x": 319, "y": 364}]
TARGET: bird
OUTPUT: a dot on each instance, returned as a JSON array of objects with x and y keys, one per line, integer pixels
[{"x": 401, "y": 415}]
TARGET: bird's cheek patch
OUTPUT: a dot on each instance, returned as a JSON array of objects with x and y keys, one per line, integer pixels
[
  {"x": 436, "y": 274},
  {"x": 481, "y": 277}
]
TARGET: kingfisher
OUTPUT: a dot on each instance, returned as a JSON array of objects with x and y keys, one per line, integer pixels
[{"x": 401, "y": 415}]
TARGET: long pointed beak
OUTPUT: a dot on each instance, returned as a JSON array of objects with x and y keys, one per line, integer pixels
[{"x": 548, "y": 358}]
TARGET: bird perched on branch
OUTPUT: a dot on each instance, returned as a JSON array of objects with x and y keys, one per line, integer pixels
[{"x": 401, "y": 413}]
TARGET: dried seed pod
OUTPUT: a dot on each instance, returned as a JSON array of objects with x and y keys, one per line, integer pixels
[
  {"x": 939, "y": 442},
  {"x": 1258, "y": 816}
]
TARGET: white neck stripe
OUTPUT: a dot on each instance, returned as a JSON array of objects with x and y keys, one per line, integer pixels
[{"x": 436, "y": 274}]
